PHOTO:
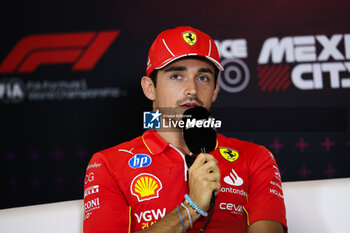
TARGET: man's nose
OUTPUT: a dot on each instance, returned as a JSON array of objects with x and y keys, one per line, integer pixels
[{"x": 191, "y": 88}]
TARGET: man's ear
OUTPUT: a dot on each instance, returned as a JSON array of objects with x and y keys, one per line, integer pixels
[
  {"x": 216, "y": 90},
  {"x": 148, "y": 88}
]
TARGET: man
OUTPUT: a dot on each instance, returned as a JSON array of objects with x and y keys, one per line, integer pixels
[{"x": 141, "y": 185}]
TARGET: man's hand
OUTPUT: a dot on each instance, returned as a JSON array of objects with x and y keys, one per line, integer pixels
[{"x": 204, "y": 178}]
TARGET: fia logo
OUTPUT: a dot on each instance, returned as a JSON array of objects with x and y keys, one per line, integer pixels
[
  {"x": 151, "y": 120},
  {"x": 140, "y": 160},
  {"x": 12, "y": 90}
]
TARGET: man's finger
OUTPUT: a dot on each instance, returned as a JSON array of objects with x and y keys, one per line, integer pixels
[{"x": 203, "y": 158}]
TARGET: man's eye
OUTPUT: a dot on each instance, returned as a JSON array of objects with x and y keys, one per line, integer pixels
[
  {"x": 203, "y": 78},
  {"x": 175, "y": 76}
]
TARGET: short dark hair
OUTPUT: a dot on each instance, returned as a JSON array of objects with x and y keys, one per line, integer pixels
[{"x": 154, "y": 73}]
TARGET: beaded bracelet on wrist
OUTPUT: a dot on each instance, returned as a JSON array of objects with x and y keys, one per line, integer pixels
[{"x": 194, "y": 206}]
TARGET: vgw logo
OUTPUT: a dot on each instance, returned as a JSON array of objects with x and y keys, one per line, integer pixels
[{"x": 151, "y": 120}]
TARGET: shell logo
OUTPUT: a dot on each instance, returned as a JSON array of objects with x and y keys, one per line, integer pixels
[{"x": 145, "y": 186}]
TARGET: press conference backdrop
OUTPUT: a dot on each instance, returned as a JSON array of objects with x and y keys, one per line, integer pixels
[{"x": 70, "y": 84}]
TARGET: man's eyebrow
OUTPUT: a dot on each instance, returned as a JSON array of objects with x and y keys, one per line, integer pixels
[
  {"x": 205, "y": 70},
  {"x": 176, "y": 68},
  {"x": 183, "y": 68}
]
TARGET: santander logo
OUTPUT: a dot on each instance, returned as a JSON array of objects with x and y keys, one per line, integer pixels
[{"x": 233, "y": 179}]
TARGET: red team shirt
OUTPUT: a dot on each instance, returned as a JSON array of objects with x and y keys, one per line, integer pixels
[{"x": 131, "y": 186}]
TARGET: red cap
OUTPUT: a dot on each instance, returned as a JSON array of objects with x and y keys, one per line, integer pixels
[{"x": 179, "y": 42}]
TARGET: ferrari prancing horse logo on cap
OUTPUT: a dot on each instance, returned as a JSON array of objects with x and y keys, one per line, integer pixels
[{"x": 190, "y": 37}]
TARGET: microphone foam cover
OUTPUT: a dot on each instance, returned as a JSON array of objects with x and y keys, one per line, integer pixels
[{"x": 199, "y": 138}]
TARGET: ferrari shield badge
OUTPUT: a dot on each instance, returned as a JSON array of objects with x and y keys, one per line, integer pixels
[
  {"x": 190, "y": 37},
  {"x": 229, "y": 154}
]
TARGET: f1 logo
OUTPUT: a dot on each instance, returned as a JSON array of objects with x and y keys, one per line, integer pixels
[{"x": 83, "y": 49}]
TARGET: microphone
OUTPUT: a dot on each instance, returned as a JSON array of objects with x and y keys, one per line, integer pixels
[{"x": 199, "y": 140}]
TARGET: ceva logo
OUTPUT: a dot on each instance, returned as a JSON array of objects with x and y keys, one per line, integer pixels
[{"x": 82, "y": 49}]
